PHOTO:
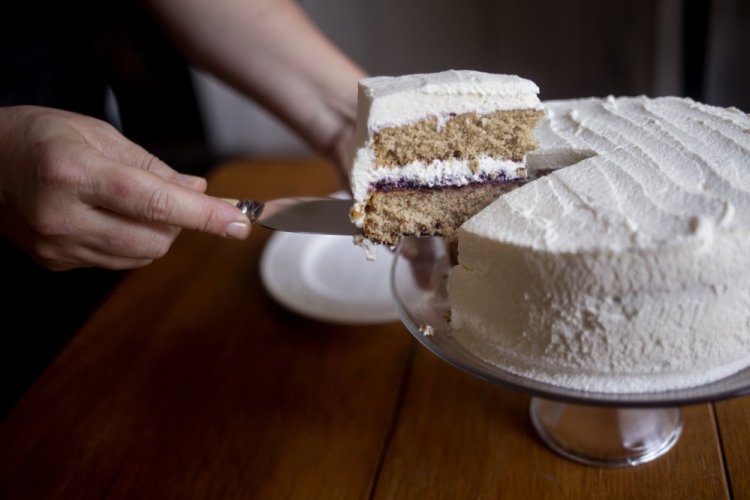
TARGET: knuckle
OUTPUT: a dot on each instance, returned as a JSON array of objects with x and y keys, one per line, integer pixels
[
  {"x": 43, "y": 252},
  {"x": 211, "y": 221},
  {"x": 48, "y": 256},
  {"x": 149, "y": 162},
  {"x": 41, "y": 124},
  {"x": 58, "y": 169},
  {"x": 159, "y": 206},
  {"x": 48, "y": 225},
  {"x": 54, "y": 163},
  {"x": 126, "y": 245},
  {"x": 139, "y": 246},
  {"x": 105, "y": 128},
  {"x": 158, "y": 248},
  {"x": 122, "y": 188}
]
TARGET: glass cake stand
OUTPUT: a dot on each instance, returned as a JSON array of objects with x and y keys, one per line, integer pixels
[{"x": 603, "y": 429}]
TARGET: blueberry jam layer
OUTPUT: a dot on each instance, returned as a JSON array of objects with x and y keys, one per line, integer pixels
[{"x": 393, "y": 184}]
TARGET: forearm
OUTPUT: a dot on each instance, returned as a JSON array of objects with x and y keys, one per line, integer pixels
[{"x": 269, "y": 50}]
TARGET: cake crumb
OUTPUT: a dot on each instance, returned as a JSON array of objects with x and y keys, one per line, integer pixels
[
  {"x": 426, "y": 330},
  {"x": 356, "y": 213},
  {"x": 447, "y": 316},
  {"x": 366, "y": 245}
]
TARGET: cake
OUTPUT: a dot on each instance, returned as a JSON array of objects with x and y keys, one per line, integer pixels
[
  {"x": 627, "y": 271},
  {"x": 433, "y": 149}
]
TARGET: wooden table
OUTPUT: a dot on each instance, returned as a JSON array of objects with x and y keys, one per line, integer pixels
[{"x": 190, "y": 382}]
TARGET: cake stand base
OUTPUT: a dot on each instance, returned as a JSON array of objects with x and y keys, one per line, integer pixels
[{"x": 606, "y": 436}]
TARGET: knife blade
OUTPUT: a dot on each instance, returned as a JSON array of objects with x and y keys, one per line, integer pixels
[{"x": 302, "y": 215}]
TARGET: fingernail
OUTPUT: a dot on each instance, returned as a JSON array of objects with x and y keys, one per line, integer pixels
[
  {"x": 237, "y": 230},
  {"x": 231, "y": 201}
]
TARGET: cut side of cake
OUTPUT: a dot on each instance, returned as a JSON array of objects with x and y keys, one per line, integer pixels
[
  {"x": 434, "y": 149},
  {"x": 628, "y": 271}
]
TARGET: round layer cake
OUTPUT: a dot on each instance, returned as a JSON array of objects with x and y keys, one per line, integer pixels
[{"x": 629, "y": 270}]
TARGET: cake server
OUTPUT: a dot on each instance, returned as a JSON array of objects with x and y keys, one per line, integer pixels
[{"x": 301, "y": 215}]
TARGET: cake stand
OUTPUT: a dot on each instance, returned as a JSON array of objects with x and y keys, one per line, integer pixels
[{"x": 603, "y": 429}]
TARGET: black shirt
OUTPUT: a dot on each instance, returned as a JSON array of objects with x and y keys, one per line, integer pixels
[{"x": 66, "y": 55}]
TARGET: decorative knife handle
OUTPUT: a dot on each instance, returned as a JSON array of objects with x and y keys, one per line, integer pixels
[{"x": 251, "y": 208}]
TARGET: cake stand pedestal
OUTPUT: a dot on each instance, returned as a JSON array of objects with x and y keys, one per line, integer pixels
[
  {"x": 606, "y": 436},
  {"x": 594, "y": 428}
]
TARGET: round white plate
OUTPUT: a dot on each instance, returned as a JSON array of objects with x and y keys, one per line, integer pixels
[{"x": 328, "y": 278}]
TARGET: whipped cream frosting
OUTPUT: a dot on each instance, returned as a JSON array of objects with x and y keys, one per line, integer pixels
[
  {"x": 388, "y": 101},
  {"x": 628, "y": 271}
]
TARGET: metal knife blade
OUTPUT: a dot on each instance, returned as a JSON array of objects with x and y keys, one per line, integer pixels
[{"x": 302, "y": 215}]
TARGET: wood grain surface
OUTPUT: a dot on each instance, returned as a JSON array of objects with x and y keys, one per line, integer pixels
[
  {"x": 734, "y": 427},
  {"x": 190, "y": 382}
]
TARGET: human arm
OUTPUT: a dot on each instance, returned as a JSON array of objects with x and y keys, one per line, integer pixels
[
  {"x": 270, "y": 51},
  {"x": 75, "y": 193}
]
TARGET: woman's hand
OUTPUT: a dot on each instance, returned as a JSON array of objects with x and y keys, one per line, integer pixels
[{"x": 75, "y": 193}]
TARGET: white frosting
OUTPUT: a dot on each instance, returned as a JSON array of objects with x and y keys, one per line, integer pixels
[
  {"x": 386, "y": 101},
  {"x": 389, "y": 101},
  {"x": 628, "y": 271}
]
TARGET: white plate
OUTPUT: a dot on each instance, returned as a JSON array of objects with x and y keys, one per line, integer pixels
[{"x": 328, "y": 278}]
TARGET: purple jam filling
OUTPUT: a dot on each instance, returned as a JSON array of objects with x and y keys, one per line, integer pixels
[{"x": 394, "y": 184}]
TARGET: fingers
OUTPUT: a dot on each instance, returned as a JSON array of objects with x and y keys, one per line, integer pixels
[
  {"x": 128, "y": 180},
  {"x": 110, "y": 241},
  {"x": 117, "y": 147},
  {"x": 147, "y": 162},
  {"x": 115, "y": 235},
  {"x": 192, "y": 182},
  {"x": 65, "y": 254},
  {"x": 144, "y": 196},
  {"x": 85, "y": 257}
]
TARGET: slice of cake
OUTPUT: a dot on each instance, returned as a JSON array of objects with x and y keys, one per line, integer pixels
[
  {"x": 434, "y": 149},
  {"x": 626, "y": 272}
]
